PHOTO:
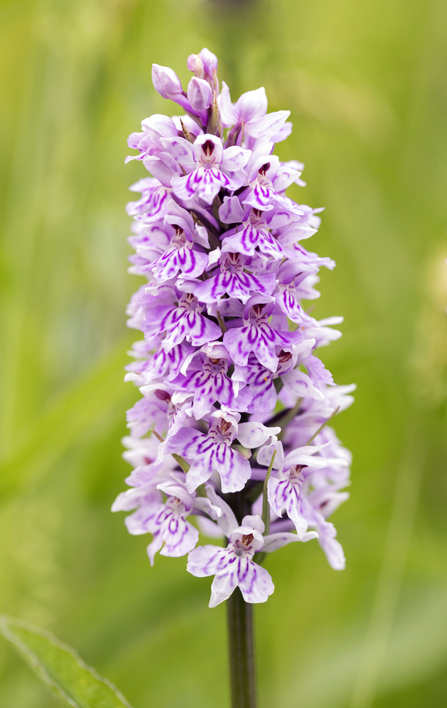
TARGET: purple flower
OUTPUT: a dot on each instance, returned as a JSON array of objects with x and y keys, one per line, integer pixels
[
  {"x": 206, "y": 378},
  {"x": 212, "y": 453},
  {"x": 148, "y": 141},
  {"x": 153, "y": 202},
  {"x": 290, "y": 279},
  {"x": 268, "y": 179},
  {"x": 260, "y": 380},
  {"x": 228, "y": 369},
  {"x": 285, "y": 485},
  {"x": 258, "y": 336},
  {"x": 254, "y": 233},
  {"x": 249, "y": 120},
  {"x": 141, "y": 452},
  {"x": 167, "y": 84},
  {"x": 233, "y": 566},
  {"x": 159, "y": 364},
  {"x": 171, "y": 532},
  {"x": 234, "y": 279},
  {"x": 180, "y": 321},
  {"x": 166, "y": 521},
  {"x": 180, "y": 254},
  {"x": 210, "y": 167},
  {"x": 250, "y": 107}
]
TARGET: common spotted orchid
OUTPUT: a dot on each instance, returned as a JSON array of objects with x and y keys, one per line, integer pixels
[{"x": 230, "y": 437}]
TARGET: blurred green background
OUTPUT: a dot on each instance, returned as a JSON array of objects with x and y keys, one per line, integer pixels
[{"x": 366, "y": 86}]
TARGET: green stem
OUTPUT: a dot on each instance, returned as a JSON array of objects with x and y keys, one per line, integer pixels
[
  {"x": 242, "y": 652},
  {"x": 334, "y": 412}
]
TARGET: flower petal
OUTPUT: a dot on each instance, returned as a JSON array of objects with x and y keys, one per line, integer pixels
[
  {"x": 254, "y": 582},
  {"x": 277, "y": 540}
]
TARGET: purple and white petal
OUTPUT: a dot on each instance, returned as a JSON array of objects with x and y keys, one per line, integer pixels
[
  {"x": 227, "y": 519},
  {"x": 274, "y": 541},
  {"x": 301, "y": 385},
  {"x": 255, "y": 434},
  {"x": 206, "y": 560},
  {"x": 224, "y": 584},
  {"x": 254, "y": 582},
  {"x": 179, "y": 537}
]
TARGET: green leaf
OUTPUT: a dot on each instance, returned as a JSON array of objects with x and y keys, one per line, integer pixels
[{"x": 60, "y": 667}]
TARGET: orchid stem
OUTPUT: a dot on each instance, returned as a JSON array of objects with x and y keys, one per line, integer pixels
[{"x": 242, "y": 652}]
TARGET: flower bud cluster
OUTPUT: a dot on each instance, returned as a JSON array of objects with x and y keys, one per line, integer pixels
[{"x": 231, "y": 427}]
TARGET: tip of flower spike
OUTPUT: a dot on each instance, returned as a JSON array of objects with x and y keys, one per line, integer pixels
[{"x": 166, "y": 81}]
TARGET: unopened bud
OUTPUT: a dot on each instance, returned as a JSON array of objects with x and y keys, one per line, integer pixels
[
  {"x": 166, "y": 81},
  {"x": 194, "y": 64},
  {"x": 209, "y": 61},
  {"x": 199, "y": 94}
]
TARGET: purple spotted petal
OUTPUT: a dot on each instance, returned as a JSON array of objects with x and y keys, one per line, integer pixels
[
  {"x": 206, "y": 456},
  {"x": 204, "y": 182},
  {"x": 260, "y": 382},
  {"x": 261, "y": 340},
  {"x": 284, "y": 495},
  {"x": 251, "y": 238},
  {"x": 153, "y": 202},
  {"x": 211, "y": 384},
  {"x": 179, "y": 323},
  {"x": 179, "y": 536},
  {"x": 206, "y": 560},
  {"x": 189, "y": 262},
  {"x": 236, "y": 284},
  {"x": 254, "y": 582},
  {"x": 225, "y": 583}
]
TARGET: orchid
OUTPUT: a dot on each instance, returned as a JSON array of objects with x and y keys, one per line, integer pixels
[
  {"x": 210, "y": 166},
  {"x": 231, "y": 435}
]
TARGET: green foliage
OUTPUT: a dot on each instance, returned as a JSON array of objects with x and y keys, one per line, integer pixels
[
  {"x": 365, "y": 83},
  {"x": 60, "y": 667}
]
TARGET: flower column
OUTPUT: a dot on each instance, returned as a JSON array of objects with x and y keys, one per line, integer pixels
[{"x": 231, "y": 427}]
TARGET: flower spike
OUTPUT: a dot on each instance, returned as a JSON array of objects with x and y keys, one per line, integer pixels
[{"x": 232, "y": 427}]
